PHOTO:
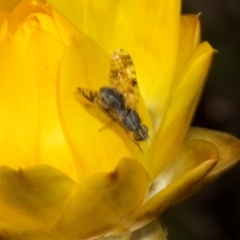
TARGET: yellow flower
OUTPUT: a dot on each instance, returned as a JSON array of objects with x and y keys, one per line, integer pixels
[{"x": 60, "y": 177}]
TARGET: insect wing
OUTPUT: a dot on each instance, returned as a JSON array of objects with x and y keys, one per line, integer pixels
[
  {"x": 90, "y": 95},
  {"x": 123, "y": 77}
]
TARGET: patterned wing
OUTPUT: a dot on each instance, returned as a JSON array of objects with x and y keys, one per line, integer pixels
[
  {"x": 90, "y": 95},
  {"x": 123, "y": 77}
]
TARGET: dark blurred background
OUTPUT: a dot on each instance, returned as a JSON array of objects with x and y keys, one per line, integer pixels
[{"x": 214, "y": 212}]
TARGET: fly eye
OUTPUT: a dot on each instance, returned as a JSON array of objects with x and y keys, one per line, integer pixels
[
  {"x": 141, "y": 134},
  {"x": 144, "y": 128},
  {"x": 137, "y": 136}
]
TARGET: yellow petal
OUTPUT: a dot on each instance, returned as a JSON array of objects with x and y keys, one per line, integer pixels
[
  {"x": 45, "y": 53},
  {"x": 188, "y": 40},
  {"x": 3, "y": 16},
  {"x": 142, "y": 29},
  {"x": 23, "y": 233},
  {"x": 123, "y": 24},
  {"x": 19, "y": 112},
  {"x": 89, "y": 16},
  {"x": 65, "y": 29},
  {"x": 47, "y": 18},
  {"x": 192, "y": 153},
  {"x": 180, "y": 109},
  {"x": 104, "y": 201},
  {"x": 124, "y": 236},
  {"x": 33, "y": 197},
  {"x": 24, "y": 9},
  {"x": 3, "y": 25},
  {"x": 228, "y": 147},
  {"x": 167, "y": 197},
  {"x": 85, "y": 65},
  {"x": 152, "y": 231},
  {"x": 8, "y": 5}
]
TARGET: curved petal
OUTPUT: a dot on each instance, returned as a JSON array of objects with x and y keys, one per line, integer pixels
[
  {"x": 48, "y": 18},
  {"x": 228, "y": 147},
  {"x": 45, "y": 53},
  {"x": 123, "y": 236},
  {"x": 168, "y": 196},
  {"x": 192, "y": 153},
  {"x": 8, "y": 232},
  {"x": 4, "y": 24},
  {"x": 18, "y": 132},
  {"x": 88, "y": 15},
  {"x": 152, "y": 231},
  {"x": 3, "y": 16},
  {"x": 33, "y": 197},
  {"x": 65, "y": 29},
  {"x": 85, "y": 65},
  {"x": 189, "y": 39},
  {"x": 45, "y": 65},
  {"x": 180, "y": 109},
  {"x": 104, "y": 201},
  {"x": 25, "y": 8},
  {"x": 141, "y": 29},
  {"x": 8, "y": 5}
]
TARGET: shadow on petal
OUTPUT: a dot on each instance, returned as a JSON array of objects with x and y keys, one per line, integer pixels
[
  {"x": 161, "y": 201},
  {"x": 104, "y": 201},
  {"x": 33, "y": 197},
  {"x": 228, "y": 147},
  {"x": 152, "y": 231},
  {"x": 192, "y": 153}
]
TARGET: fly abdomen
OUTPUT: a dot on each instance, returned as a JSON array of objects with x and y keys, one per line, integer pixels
[{"x": 130, "y": 119}]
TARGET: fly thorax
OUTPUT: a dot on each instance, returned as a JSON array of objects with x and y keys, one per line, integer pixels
[{"x": 111, "y": 99}]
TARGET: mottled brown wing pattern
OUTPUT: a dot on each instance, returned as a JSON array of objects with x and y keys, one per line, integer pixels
[
  {"x": 119, "y": 100},
  {"x": 123, "y": 77},
  {"x": 92, "y": 96}
]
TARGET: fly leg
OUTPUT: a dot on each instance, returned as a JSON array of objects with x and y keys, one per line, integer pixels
[{"x": 106, "y": 126}]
